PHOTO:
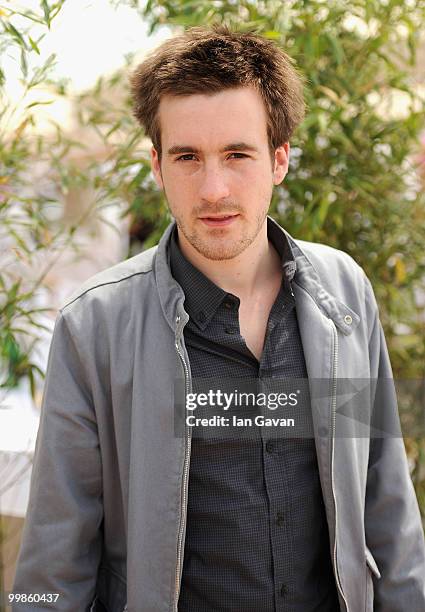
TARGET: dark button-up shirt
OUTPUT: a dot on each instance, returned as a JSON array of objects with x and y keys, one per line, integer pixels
[{"x": 256, "y": 535}]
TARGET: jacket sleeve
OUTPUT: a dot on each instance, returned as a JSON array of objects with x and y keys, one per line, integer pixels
[
  {"x": 62, "y": 536},
  {"x": 394, "y": 532}
]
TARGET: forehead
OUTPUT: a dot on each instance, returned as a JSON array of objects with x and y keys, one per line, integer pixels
[{"x": 234, "y": 115}]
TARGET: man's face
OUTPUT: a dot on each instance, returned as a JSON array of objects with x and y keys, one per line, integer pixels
[{"x": 216, "y": 169}]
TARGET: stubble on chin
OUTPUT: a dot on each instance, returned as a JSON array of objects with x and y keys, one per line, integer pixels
[{"x": 216, "y": 248}]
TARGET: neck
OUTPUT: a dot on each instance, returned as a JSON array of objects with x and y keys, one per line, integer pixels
[{"x": 245, "y": 275}]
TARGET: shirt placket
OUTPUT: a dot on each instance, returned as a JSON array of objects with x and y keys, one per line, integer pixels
[{"x": 274, "y": 463}]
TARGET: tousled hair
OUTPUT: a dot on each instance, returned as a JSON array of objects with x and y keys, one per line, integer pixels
[{"x": 211, "y": 59}]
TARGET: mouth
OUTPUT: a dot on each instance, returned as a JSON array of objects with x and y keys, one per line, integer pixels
[{"x": 219, "y": 220}]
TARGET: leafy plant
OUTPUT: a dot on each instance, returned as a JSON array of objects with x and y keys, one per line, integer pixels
[{"x": 30, "y": 240}]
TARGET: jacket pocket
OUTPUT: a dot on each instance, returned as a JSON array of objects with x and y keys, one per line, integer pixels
[
  {"x": 97, "y": 606},
  {"x": 372, "y": 572},
  {"x": 111, "y": 591},
  {"x": 372, "y": 563}
]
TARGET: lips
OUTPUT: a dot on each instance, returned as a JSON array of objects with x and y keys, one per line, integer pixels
[
  {"x": 219, "y": 217},
  {"x": 219, "y": 220}
]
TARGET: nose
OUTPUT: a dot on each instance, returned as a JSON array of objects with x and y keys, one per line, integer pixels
[{"x": 214, "y": 184}]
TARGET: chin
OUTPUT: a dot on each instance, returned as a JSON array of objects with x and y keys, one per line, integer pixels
[{"x": 220, "y": 252}]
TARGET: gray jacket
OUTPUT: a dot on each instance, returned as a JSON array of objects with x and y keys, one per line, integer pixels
[{"x": 106, "y": 520}]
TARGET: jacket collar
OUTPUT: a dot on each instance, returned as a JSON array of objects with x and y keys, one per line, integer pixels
[
  {"x": 172, "y": 297},
  {"x": 307, "y": 277}
]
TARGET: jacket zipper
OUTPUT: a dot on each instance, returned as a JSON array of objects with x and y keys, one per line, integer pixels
[
  {"x": 333, "y": 418},
  {"x": 179, "y": 329}
]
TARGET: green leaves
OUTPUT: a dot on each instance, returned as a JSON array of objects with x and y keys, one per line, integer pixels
[
  {"x": 50, "y": 10},
  {"x": 14, "y": 33},
  {"x": 24, "y": 226},
  {"x": 34, "y": 45}
]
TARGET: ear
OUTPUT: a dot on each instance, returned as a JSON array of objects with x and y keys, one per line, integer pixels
[
  {"x": 281, "y": 163},
  {"x": 156, "y": 168}
]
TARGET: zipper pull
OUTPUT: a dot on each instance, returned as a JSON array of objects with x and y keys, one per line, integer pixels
[{"x": 177, "y": 331}]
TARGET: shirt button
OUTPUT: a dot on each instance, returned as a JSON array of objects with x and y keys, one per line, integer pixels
[
  {"x": 348, "y": 319},
  {"x": 283, "y": 590},
  {"x": 231, "y": 330},
  {"x": 270, "y": 446},
  {"x": 280, "y": 519},
  {"x": 230, "y": 304}
]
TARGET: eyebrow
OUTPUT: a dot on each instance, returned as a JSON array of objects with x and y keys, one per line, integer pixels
[{"x": 234, "y": 146}]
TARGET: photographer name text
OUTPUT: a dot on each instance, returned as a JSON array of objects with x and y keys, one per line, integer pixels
[{"x": 222, "y": 421}]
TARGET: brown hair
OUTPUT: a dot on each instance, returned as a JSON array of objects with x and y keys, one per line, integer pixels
[{"x": 209, "y": 60}]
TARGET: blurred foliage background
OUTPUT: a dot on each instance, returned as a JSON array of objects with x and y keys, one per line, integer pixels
[{"x": 355, "y": 170}]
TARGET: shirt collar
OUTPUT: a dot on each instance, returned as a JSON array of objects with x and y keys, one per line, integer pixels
[{"x": 202, "y": 296}]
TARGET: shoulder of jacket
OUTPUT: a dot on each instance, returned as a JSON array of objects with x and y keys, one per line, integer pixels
[{"x": 134, "y": 267}]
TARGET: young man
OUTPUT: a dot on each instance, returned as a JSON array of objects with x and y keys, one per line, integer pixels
[{"x": 125, "y": 514}]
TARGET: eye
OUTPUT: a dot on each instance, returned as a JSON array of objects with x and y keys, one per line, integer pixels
[
  {"x": 184, "y": 157},
  {"x": 188, "y": 155}
]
